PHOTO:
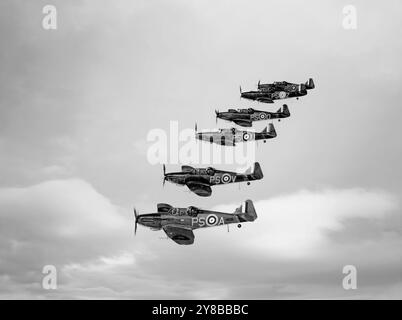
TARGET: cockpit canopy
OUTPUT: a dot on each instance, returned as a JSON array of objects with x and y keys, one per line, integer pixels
[
  {"x": 281, "y": 83},
  {"x": 175, "y": 211},
  {"x": 210, "y": 171},
  {"x": 192, "y": 211},
  {"x": 249, "y": 110},
  {"x": 188, "y": 169}
]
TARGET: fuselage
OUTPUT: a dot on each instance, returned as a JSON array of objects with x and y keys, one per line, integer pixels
[
  {"x": 186, "y": 218},
  {"x": 205, "y": 176},
  {"x": 232, "y": 136},
  {"x": 272, "y": 95},
  {"x": 250, "y": 116}
]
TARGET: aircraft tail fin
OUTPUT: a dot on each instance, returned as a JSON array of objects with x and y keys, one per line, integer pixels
[
  {"x": 257, "y": 173},
  {"x": 310, "y": 84},
  {"x": 271, "y": 131},
  {"x": 246, "y": 212},
  {"x": 285, "y": 110}
]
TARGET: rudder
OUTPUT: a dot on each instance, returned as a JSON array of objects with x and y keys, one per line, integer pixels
[
  {"x": 285, "y": 110},
  {"x": 272, "y": 131},
  {"x": 257, "y": 173},
  {"x": 310, "y": 84},
  {"x": 246, "y": 211}
]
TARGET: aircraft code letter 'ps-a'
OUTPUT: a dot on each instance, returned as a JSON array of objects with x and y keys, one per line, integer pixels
[{"x": 179, "y": 223}]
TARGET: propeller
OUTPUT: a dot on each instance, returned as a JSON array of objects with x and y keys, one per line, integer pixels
[
  {"x": 164, "y": 175},
  {"x": 195, "y": 127},
  {"x": 136, "y": 220},
  {"x": 216, "y": 117},
  {"x": 240, "y": 89},
  {"x": 258, "y": 85}
]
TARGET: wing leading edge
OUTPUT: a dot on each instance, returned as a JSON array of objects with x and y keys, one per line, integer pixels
[{"x": 179, "y": 234}]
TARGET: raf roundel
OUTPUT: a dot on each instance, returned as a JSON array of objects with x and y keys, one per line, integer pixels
[
  {"x": 282, "y": 94},
  {"x": 262, "y": 115},
  {"x": 246, "y": 136},
  {"x": 226, "y": 178},
  {"x": 212, "y": 220}
]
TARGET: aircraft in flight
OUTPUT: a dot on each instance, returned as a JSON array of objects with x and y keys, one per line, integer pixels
[
  {"x": 179, "y": 223},
  {"x": 231, "y": 136},
  {"x": 269, "y": 92},
  {"x": 200, "y": 180},
  {"x": 246, "y": 117}
]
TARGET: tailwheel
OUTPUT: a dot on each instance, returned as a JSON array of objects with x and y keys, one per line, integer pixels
[
  {"x": 239, "y": 225},
  {"x": 248, "y": 183}
]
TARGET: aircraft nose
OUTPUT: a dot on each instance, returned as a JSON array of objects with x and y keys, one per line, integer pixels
[
  {"x": 171, "y": 178},
  {"x": 139, "y": 220}
]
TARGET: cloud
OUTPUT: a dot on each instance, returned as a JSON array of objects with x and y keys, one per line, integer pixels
[
  {"x": 296, "y": 247},
  {"x": 55, "y": 222},
  {"x": 296, "y": 225}
]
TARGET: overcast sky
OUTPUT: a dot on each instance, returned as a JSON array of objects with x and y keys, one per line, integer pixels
[{"x": 77, "y": 105}]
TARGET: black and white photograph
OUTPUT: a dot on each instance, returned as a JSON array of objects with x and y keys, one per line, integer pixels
[{"x": 199, "y": 150}]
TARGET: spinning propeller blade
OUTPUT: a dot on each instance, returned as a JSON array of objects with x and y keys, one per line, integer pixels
[
  {"x": 136, "y": 221},
  {"x": 164, "y": 175}
]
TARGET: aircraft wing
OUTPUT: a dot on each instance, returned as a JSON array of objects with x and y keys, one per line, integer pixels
[
  {"x": 243, "y": 123},
  {"x": 266, "y": 100},
  {"x": 200, "y": 188},
  {"x": 179, "y": 234},
  {"x": 228, "y": 142}
]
